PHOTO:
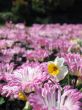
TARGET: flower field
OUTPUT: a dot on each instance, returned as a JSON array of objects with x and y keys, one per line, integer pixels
[{"x": 41, "y": 67}]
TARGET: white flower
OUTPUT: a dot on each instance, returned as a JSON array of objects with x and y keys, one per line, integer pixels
[{"x": 57, "y": 69}]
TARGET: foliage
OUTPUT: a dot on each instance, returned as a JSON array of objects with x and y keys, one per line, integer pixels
[
  {"x": 2, "y": 101},
  {"x": 32, "y": 11}
]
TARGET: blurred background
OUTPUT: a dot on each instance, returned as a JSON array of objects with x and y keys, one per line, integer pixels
[{"x": 41, "y": 11}]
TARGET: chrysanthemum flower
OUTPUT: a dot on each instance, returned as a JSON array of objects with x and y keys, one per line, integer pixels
[
  {"x": 55, "y": 98},
  {"x": 74, "y": 62},
  {"x": 28, "y": 76},
  {"x": 57, "y": 69},
  {"x": 10, "y": 90},
  {"x": 41, "y": 54}
]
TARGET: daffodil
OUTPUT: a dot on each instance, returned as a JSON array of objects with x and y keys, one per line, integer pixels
[{"x": 57, "y": 68}]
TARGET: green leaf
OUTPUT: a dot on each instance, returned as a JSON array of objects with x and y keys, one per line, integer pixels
[{"x": 2, "y": 100}]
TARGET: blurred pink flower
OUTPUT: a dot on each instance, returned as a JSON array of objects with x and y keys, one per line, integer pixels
[
  {"x": 74, "y": 62},
  {"x": 41, "y": 54},
  {"x": 55, "y": 98}
]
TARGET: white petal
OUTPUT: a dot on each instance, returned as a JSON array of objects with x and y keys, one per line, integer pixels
[
  {"x": 59, "y": 61},
  {"x": 51, "y": 62},
  {"x": 63, "y": 73}
]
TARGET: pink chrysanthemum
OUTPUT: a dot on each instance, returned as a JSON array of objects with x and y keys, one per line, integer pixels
[
  {"x": 28, "y": 76},
  {"x": 41, "y": 54},
  {"x": 74, "y": 62},
  {"x": 11, "y": 91},
  {"x": 54, "y": 98}
]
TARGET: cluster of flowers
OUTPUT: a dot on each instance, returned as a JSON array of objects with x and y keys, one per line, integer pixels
[{"x": 42, "y": 65}]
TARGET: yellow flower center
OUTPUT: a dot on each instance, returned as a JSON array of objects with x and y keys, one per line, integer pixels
[
  {"x": 53, "y": 69},
  {"x": 22, "y": 96}
]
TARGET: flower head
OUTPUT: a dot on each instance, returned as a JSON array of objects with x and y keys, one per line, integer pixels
[
  {"x": 29, "y": 76},
  {"x": 55, "y": 98},
  {"x": 74, "y": 62},
  {"x": 57, "y": 69}
]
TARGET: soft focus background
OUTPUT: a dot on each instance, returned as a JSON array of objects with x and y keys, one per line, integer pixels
[
  {"x": 33, "y": 47},
  {"x": 32, "y": 33},
  {"x": 41, "y": 11}
]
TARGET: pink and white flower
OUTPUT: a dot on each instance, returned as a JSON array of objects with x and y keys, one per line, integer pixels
[
  {"x": 55, "y": 98},
  {"x": 28, "y": 76}
]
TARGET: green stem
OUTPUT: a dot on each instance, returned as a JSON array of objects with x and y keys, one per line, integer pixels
[{"x": 68, "y": 79}]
